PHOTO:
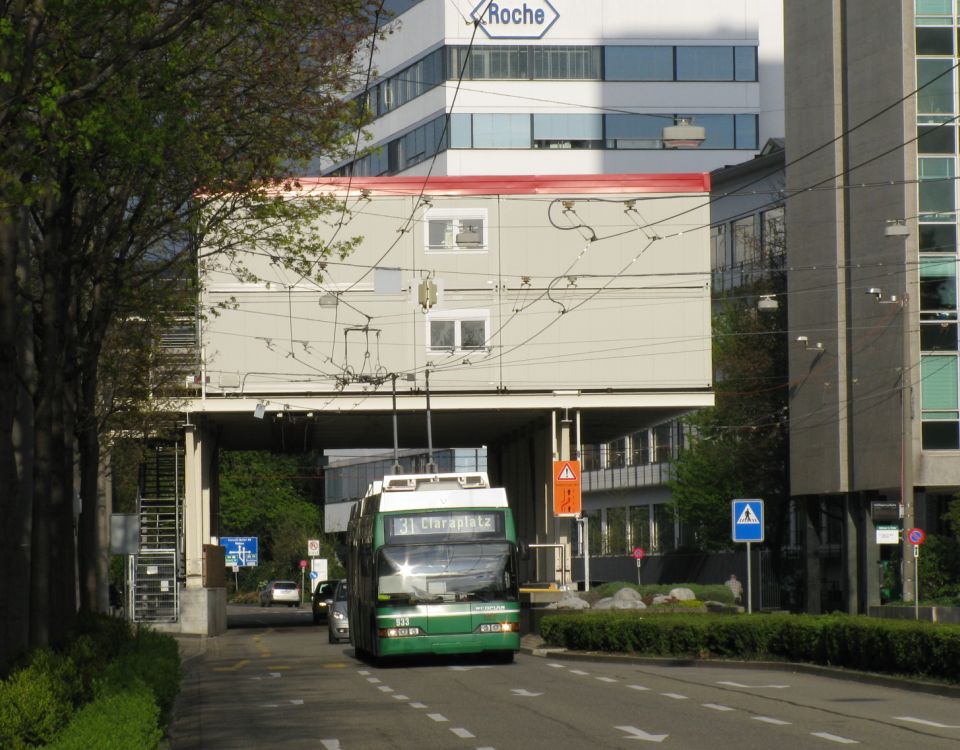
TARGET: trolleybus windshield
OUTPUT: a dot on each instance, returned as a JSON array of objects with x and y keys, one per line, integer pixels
[{"x": 434, "y": 573}]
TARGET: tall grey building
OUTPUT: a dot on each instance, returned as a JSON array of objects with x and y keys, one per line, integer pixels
[{"x": 871, "y": 105}]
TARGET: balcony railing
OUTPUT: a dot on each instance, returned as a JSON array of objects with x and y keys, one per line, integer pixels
[{"x": 624, "y": 477}]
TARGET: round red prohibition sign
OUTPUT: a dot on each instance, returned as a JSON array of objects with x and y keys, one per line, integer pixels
[
  {"x": 638, "y": 552},
  {"x": 916, "y": 536}
]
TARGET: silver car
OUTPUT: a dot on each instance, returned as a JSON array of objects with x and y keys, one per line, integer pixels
[
  {"x": 280, "y": 592},
  {"x": 338, "y": 624}
]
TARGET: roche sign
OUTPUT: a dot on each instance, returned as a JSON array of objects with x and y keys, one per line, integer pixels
[{"x": 515, "y": 19}]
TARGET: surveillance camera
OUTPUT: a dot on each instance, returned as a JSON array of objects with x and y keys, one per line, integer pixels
[
  {"x": 875, "y": 292},
  {"x": 802, "y": 339}
]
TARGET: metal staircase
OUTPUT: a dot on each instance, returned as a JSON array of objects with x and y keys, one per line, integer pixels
[{"x": 159, "y": 563}]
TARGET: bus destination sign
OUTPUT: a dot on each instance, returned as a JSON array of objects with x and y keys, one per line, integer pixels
[{"x": 450, "y": 523}]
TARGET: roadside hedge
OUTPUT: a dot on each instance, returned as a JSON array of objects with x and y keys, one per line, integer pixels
[
  {"x": 920, "y": 649},
  {"x": 110, "y": 686}
]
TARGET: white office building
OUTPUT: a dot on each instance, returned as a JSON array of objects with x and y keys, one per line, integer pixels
[{"x": 570, "y": 87}]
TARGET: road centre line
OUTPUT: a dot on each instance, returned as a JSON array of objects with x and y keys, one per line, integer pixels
[
  {"x": 578, "y": 671},
  {"x": 834, "y": 738},
  {"x": 385, "y": 688},
  {"x": 675, "y": 696},
  {"x": 401, "y": 697},
  {"x": 637, "y": 687},
  {"x": 718, "y": 707},
  {"x": 771, "y": 720},
  {"x": 606, "y": 679},
  {"x": 557, "y": 666},
  {"x": 373, "y": 680}
]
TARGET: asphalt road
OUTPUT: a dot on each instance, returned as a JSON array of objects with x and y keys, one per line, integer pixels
[{"x": 273, "y": 680}]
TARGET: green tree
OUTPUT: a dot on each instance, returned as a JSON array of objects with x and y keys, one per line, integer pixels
[
  {"x": 266, "y": 495},
  {"x": 134, "y": 132},
  {"x": 738, "y": 448}
]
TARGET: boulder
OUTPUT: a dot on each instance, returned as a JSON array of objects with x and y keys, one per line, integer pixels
[
  {"x": 627, "y": 594},
  {"x": 682, "y": 595}
]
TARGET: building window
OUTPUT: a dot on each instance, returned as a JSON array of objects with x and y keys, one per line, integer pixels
[
  {"x": 615, "y": 538},
  {"x": 629, "y": 63},
  {"x": 936, "y": 197},
  {"x": 664, "y": 532},
  {"x": 617, "y": 453},
  {"x": 568, "y": 131},
  {"x": 457, "y": 331},
  {"x": 500, "y": 131},
  {"x": 939, "y": 401},
  {"x": 456, "y": 230},
  {"x": 935, "y": 84},
  {"x": 639, "y": 524},
  {"x": 640, "y": 448},
  {"x": 591, "y": 457},
  {"x": 663, "y": 443}
]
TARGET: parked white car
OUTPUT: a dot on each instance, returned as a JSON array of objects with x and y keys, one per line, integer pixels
[{"x": 280, "y": 592}]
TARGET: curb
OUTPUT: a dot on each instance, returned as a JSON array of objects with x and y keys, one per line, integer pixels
[{"x": 869, "y": 678}]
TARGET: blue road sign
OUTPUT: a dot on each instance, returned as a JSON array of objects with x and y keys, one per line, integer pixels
[
  {"x": 240, "y": 550},
  {"x": 747, "y": 518}
]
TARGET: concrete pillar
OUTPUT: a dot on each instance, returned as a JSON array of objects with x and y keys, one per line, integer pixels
[
  {"x": 811, "y": 554},
  {"x": 202, "y": 610},
  {"x": 858, "y": 565},
  {"x": 197, "y": 465}
]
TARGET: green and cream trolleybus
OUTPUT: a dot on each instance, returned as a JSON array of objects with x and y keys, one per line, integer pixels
[{"x": 432, "y": 565}]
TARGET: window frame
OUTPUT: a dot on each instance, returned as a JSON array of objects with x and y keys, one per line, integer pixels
[
  {"x": 458, "y": 215},
  {"x": 457, "y": 317}
]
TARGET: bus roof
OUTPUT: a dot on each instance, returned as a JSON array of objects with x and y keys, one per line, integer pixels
[{"x": 434, "y": 492}]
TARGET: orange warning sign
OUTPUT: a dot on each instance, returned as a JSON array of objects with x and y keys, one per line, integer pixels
[{"x": 566, "y": 488}]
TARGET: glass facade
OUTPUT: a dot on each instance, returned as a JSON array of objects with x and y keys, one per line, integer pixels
[
  {"x": 634, "y": 63},
  {"x": 936, "y": 47}
]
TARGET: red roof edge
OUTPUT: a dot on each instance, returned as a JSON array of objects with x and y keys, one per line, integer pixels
[{"x": 688, "y": 182}]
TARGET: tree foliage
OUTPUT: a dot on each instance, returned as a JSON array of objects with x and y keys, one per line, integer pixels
[
  {"x": 132, "y": 133},
  {"x": 271, "y": 497},
  {"x": 738, "y": 448}
]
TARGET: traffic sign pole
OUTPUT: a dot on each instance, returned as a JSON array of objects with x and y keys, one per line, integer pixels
[{"x": 749, "y": 583}]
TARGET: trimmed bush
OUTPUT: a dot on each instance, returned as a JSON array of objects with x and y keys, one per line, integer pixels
[
  {"x": 888, "y": 646},
  {"x": 106, "y": 667},
  {"x": 37, "y": 701},
  {"x": 126, "y": 720}
]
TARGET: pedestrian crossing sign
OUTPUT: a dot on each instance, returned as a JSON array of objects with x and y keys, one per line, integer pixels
[{"x": 747, "y": 518}]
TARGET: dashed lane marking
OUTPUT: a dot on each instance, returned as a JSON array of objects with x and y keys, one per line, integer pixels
[
  {"x": 385, "y": 688},
  {"x": 771, "y": 720},
  {"x": 718, "y": 707},
  {"x": 834, "y": 738},
  {"x": 675, "y": 696},
  {"x": 418, "y": 704},
  {"x": 578, "y": 671},
  {"x": 233, "y": 667},
  {"x": 438, "y": 717},
  {"x": 637, "y": 687},
  {"x": 606, "y": 679},
  {"x": 462, "y": 733},
  {"x": 401, "y": 697},
  {"x": 926, "y": 722}
]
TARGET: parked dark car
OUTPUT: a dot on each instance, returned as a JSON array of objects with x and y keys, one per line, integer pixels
[
  {"x": 338, "y": 624},
  {"x": 322, "y": 595}
]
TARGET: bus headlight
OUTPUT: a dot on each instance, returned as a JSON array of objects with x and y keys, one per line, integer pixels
[
  {"x": 400, "y": 632},
  {"x": 498, "y": 627}
]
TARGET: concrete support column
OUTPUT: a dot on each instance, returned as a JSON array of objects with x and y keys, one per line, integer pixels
[
  {"x": 851, "y": 552},
  {"x": 196, "y": 511},
  {"x": 811, "y": 554}
]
